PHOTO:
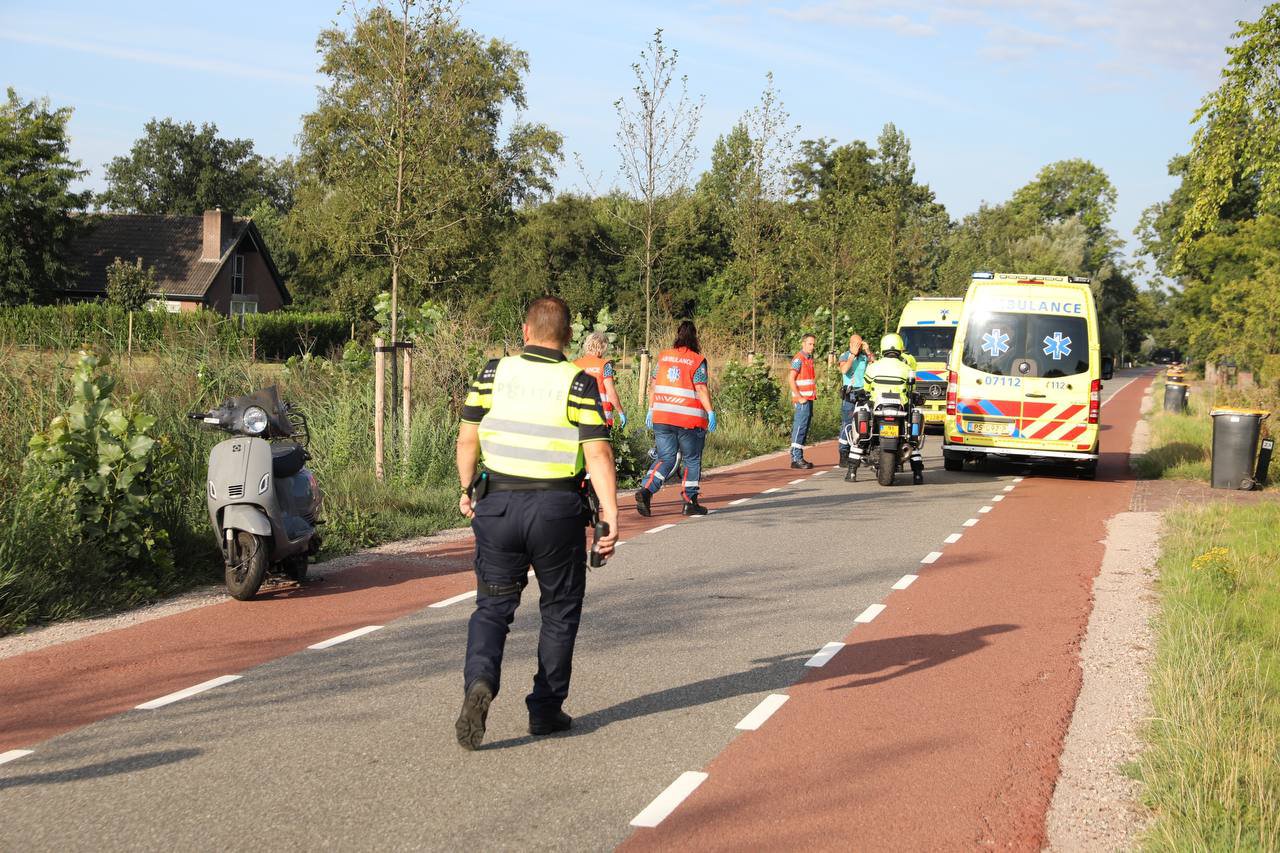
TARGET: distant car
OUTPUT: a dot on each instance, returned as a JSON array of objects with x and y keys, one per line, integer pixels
[{"x": 1166, "y": 356}]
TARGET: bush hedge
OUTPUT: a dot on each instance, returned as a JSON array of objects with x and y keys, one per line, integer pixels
[{"x": 273, "y": 336}]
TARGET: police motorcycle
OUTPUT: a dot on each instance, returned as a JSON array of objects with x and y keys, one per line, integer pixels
[
  {"x": 885, "y": 435},
  {"x": 262, "y": 500}
]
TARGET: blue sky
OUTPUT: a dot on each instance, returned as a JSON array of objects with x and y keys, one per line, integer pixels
[{"x": 988, "y": 91}]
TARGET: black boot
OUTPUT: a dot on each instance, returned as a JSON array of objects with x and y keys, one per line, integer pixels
[
  {"x": 844, "y": 456},
  {"x": 475, "y": 711},
  {"x": 692, "y": 507},
  {"x": 801, "y": 464},
  {"x": 557, "y": 722},
  {"x": 643, "y": 496}
]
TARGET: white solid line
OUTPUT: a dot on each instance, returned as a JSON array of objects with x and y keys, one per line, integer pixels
[
  {"x": 762, "y": 712},
  {"x": 659, "y": 528},
  {"x": 971, "y": 522},
  {"x": 1008, "y": 488},
  {"x": 190, "y": 691},
  {"x": 666, "y": 802},
  {"x": 342, "y": 638},
  {"x": 906, "y": 581},
  {"x": 461, "y": 597},
  {"x": 13, "y": 754},
  {"x": 794, "y": 482},
  {"x": 870, "y": 613},
  {"x": 931, "y": 557},
  {"x": 824, "y": 654},
  {"x": 984, "y": 509},
  {"x": 739, "y": 501},
  {"x": 952, "y": 539},
  {"x": 771, "y": 491},
  {"x": 997, "y": 498}
]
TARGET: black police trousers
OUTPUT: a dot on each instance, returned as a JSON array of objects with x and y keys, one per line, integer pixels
[{"x": 513, "y": 531}]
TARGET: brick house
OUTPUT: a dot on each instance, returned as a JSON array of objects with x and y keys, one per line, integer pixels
[{"x": 215, "y": 261}]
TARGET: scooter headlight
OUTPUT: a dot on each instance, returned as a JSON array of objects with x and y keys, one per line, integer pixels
[{"x": 255, "y": 420}]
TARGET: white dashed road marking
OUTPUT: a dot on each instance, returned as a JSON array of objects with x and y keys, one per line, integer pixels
[
  {"x": 905, "y": 581},
  {"x": 762, "y": 712},
  {"x": 13, "y": 754},
  {"x": 666, "y": 802},
  {"x": 461, "y": 597},
  {"x": 771, "y": 491},
  {"x": 997, "y": 498},
  {"x": 739, "y": 501},
  {"x": 189, "y": 692},
  {"x": 819, "y": 473},
  {"x": 931, "y": 557},
  {"x": 952, "y": 539},
  {"x": 342, "y": 638},
  {"x": 985, "y": 509},
  {"x": 794, "y": 482},
  {"x": 659, "y": 528},
  {"x": 870, "y": 613},
  {"x": 1018, "y": 479},
  {"x": 971, "y": 522},
  {"x": 824, "y": 654},
  {"x": 1008, "y": 488}
]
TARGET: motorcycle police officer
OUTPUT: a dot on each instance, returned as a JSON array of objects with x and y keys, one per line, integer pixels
[
  {"x": 891, "y": 378},
  {"x": 536, "y": 420}
]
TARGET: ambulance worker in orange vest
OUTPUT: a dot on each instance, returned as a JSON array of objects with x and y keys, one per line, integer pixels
[
  {"x": 804, "y": 390},
  {"x": 600, "y": 368},
  {"x": 680, "y": 416}
]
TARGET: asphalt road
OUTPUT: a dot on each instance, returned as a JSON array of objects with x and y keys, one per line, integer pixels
[{"x": 685, "y": 631}]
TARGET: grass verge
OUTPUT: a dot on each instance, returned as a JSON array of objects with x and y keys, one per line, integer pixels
[{"x": 1212, "y": 767}]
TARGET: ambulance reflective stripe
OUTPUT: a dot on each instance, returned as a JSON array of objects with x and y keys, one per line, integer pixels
[
  {"x": 671, "y": 408},
  {"x": 672, "y": 391},
  {"x": 527, "y": 432},
  {"x": 805, "y": 376},
  {"x": 1051, "y": 422}
]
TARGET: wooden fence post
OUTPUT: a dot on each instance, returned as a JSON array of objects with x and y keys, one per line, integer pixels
[
  {"x": 379, "y": 403},
  {"x": 407, "y": 380}
]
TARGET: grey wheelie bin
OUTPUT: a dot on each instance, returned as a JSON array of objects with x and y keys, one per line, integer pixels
[
  {"x": 1235, "y": 447},
  {"x": 1175, "y": 397}
]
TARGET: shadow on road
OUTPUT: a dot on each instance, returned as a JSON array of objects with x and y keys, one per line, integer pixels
[
  {"x": 908, "y": 654},
  {"x": 114, "y": 767}
]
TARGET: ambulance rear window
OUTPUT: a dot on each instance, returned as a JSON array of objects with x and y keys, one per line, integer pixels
[
  {"x": 1009, "y": 344},
  {"x": 929, "y": 343}
]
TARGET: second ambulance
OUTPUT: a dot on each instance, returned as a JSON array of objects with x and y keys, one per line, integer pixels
[
  {"x": 1025, "y": 377},
  {"x": 928, "y": 327}
]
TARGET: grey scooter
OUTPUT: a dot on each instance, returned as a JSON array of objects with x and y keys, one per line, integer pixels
[{"x": 263, "y": 502}]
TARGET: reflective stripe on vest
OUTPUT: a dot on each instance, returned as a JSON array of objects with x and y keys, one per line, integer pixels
[
  {"x": 594, "y": 366},
  {"x": 527, "y": 432},
  {"x": 675, "y": 402},
  {"x": 805, "y": 377}
]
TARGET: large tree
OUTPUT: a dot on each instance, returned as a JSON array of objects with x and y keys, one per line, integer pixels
[
  {"x": 177, "y": 168},
  {"x": 37, "y": 206}
]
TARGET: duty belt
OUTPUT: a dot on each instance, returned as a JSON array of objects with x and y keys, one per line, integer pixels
[{"x": 503, "y": 485}]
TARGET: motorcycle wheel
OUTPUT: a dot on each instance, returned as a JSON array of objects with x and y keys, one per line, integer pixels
[
  {"x": 244, "y": 577},
  {"x": 887, "y": 467}
]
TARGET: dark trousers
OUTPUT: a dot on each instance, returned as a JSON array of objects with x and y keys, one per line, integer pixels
[
  {"x": 688, "y": 442},
  {"x": 516, "y": 530}
]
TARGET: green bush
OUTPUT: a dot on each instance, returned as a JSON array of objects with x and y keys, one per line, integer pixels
[
  {"x": 750, "y": 391},
  {"x": 281, "y": 334}
]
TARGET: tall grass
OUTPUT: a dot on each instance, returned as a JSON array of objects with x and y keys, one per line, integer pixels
[{"x": 1212, "y": 767}]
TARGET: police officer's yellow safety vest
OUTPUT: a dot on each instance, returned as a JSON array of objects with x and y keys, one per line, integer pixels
[
  {"x": 890, "y": 379},
  {"x": 527, "y": 432}
]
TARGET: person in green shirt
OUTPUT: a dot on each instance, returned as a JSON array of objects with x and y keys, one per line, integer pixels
[{"x": 853, "y": 370}]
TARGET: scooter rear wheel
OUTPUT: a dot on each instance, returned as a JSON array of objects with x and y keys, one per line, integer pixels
[{"x": 247, "y": 569}]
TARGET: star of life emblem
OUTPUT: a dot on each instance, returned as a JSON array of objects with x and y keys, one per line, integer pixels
[
  {"x": 1057, "y": 346},
  {"x": 995, "y": 342},
  {"x": 673, "y": 374}
]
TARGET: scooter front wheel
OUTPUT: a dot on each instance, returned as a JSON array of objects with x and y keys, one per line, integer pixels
[{"x": 247, "y": 566}]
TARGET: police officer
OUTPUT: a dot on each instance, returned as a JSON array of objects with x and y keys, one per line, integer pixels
[
  {"x": 853, "y": 369},
  {"x": 891, "y": 379},
  {"x": 536, "y": 420}
]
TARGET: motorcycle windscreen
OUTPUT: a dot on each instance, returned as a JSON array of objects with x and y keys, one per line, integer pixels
[{"x": 267, "y": 399}]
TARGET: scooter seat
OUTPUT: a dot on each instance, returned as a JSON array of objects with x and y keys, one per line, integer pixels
[{"x": 287, "y": 458}]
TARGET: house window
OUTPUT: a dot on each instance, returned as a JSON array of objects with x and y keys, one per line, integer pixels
[
  {"x": 237, "y": 275},
  {"x": 240, "y": 307}
]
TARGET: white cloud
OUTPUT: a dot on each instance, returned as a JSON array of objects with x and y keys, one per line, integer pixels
[{"x": 167, "y": 60}]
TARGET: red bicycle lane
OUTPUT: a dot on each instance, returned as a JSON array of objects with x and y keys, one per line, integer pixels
[{"x": 939, "y": 723}]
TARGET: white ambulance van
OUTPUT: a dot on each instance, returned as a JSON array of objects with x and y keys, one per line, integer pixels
[
  {"x": 928, "y": 328},
  {"x": 1025, "y": 378}
]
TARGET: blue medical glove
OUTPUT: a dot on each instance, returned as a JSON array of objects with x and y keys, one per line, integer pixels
[
  {"x": 711, "y": 421},
  {"x": 622, "y": 420},
  {"x": 648, "y": 419}
]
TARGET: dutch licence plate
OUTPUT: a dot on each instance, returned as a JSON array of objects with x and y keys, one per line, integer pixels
[
  {"x": 988, "y": 428},
  {"x": 889, "y": 430}
]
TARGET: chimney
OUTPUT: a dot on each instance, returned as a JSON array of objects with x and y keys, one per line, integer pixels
[{"x": 217, "y": 226}]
